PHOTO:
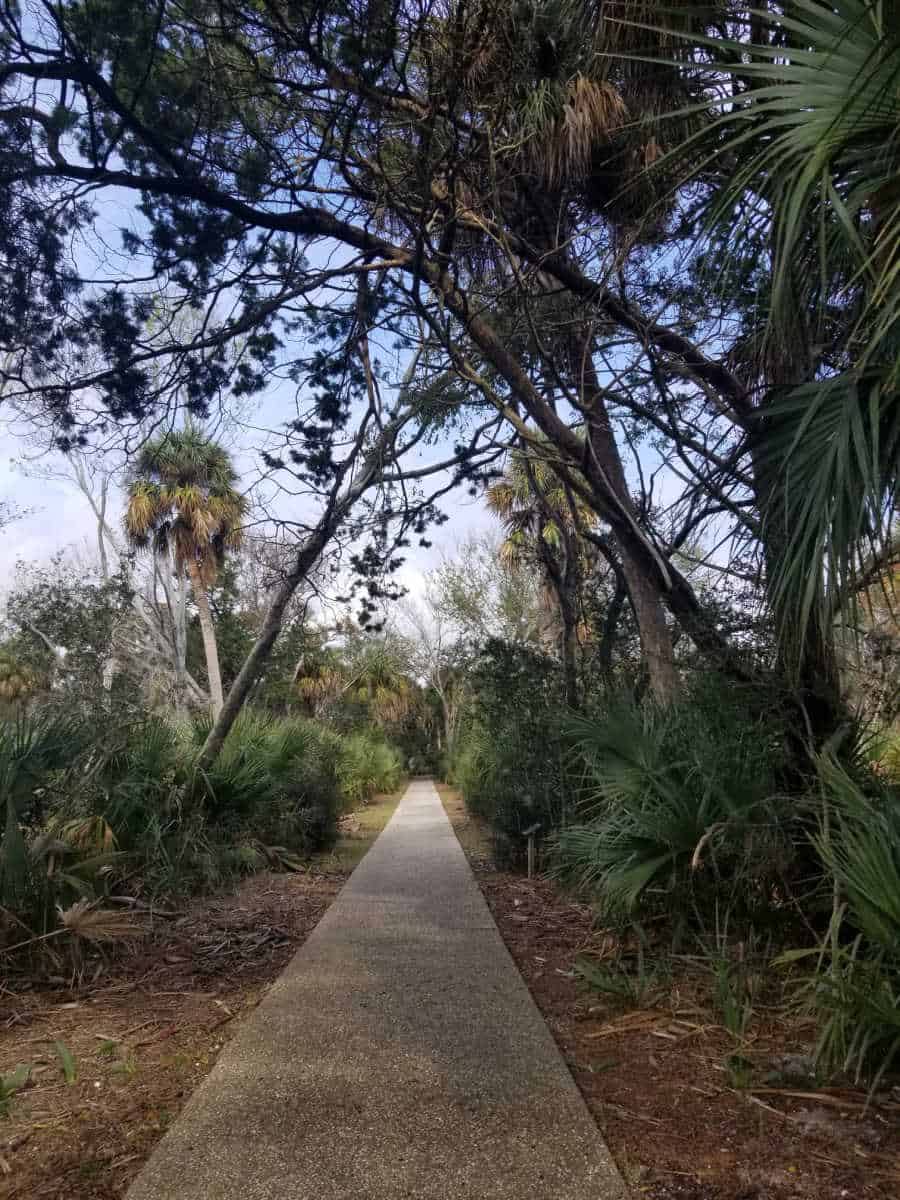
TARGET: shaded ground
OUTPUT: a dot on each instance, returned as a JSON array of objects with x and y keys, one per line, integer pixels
[
  {"x": 657, "y": 1071},
  {"x": 145, "y": 1032}
]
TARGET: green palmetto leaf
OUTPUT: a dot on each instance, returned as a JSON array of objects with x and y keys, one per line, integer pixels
[
  {"x": 863, "y": 852},
  {"x": 533, "y": 504},
  {"x": 804, "y": 150},
  {"x": 10, "y": 1084},
  {"x": 832, "y": 451},
  {"x": 655, "y": 802},
  {"x": 16, "y": 1080}
]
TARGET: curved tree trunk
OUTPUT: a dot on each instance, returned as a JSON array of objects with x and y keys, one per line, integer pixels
[
  {"x": 644, "y": 592},
  {"x": 340, "y": 505},
  {"x": 655, "y": 634},
  {"x": 208, "y": 631}
]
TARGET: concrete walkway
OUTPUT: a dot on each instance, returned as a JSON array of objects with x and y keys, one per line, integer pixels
[{"x": 399, "y": 1055}]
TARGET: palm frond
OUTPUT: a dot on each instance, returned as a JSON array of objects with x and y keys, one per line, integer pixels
[
  {"x": 183, "y": 495},
  {"x": 566, "y": 140},
  {"x": 85, "y": 920},
  {"x": 831, "y": 452},
  {"x": 810, "y": 129}
]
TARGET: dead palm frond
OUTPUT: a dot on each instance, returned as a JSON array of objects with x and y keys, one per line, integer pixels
[
  {"x": 565, "y": 149},
  {"x": 17, "y": 680},
  {"x": 87, "y": 834},
  {"x": 85, "y": 920}
]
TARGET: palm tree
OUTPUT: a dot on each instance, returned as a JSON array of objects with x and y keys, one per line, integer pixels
[
  {"x": 382, "y": 682},
  {"x": 812, "y": 192},
  {"x": 543, "y": 524},
  {"x": 573, "y": 112},
  {"x": 371, "y": 671},
  {"x": 182, "y": 500}
]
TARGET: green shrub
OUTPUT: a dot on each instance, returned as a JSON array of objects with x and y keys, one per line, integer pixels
[
  {"x": 856, "y": 988},
  {"x": 367, "y": 764},
  {"x": 39, "y": 755},
  {"x": 889, "y": 759},
  {"x": 80, "y": 816},
  {"x": 508, "y": 755},
  {"x": 276, "y": 779},
  {"x": 680, "y": 808},
  {"x": 138, "y": 805}
]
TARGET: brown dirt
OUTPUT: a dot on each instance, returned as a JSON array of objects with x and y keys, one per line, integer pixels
[
  {"x": 655, "y": 1075},
  {"x": 142, "y": 1036},
  {"x": 150, "y": 1025}
]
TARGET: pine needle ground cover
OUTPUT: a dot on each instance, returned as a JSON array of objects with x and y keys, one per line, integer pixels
[
  {"x": 694, "y": 1105},
  {"x": 140, "y": 1037}
]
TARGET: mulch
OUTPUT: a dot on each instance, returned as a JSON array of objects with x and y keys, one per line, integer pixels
[
  {"x": 655, "y": 1075},
  {"x": 143, "y": 1029}
]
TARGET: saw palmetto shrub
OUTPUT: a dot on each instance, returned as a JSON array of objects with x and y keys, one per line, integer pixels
[
  {"x": 366, "y": 765},
  {"x": 85, "y": 816},
  {"x": 682, "y": 809}
]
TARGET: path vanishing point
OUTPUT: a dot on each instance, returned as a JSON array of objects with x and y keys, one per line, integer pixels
[{"x": 399, "y": 1054}]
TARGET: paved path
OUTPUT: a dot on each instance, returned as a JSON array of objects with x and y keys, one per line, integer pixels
[{"x": 399, "y": 1055}]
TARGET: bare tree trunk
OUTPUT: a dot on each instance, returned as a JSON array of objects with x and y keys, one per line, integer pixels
[
  {"x": 98, "y": 507},
  {"x": 449, "y": 713},
  {"x": 208, "y": 631},
  {"x": 644, "y": 592},
  {"x": 656, "y": 637},
  {"x": 569, "y": 655},
  {"x": 563, "y": 580},
  {"x": 174, "y": 586},
  {"x": 611, "y": 623},
  {"x": 340, "y": 504}
]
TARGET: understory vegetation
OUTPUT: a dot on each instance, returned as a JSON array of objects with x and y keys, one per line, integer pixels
[
  {"x": 96, "y": 827},
  {"x": 694, "y": 834}
]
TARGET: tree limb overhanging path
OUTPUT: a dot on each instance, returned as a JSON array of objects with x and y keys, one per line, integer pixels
[{"x": 399, "y": 1055}]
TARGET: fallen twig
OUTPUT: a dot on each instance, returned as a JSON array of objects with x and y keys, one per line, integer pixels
[
  {"x": 143, "y": 906},
  {"x": 14, "y": 1143},
  {"x": 217, "y": 1024}
]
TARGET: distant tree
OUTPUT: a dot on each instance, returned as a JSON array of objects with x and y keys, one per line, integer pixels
[
  {"x": 368, "y": 673},
  {"x": 183, "y": 499},
  {"x": 544, "y": 523},
  {"x": 440, "y": 657},
  {"x": 67, "y": 629},
  {"x": 481, "y": 595}
]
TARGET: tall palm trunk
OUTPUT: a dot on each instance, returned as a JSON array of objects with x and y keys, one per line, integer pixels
[{"x": 208, "y": 631}]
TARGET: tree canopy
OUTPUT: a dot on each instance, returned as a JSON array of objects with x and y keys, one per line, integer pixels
[{"x": 525, "y": 203}]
